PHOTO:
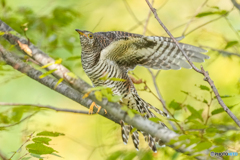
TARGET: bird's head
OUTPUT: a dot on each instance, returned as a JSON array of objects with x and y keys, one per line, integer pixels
[{"x": 86, "y": 38}]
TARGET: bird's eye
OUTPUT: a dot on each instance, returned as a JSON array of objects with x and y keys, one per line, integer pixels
[{"x": 90, "y": 35}]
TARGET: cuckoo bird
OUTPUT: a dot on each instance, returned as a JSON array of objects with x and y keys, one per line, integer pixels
[{"x": 114, "y": 53}]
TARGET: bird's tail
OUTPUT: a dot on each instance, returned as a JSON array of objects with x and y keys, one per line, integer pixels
[{"x": 126, "y": 129}]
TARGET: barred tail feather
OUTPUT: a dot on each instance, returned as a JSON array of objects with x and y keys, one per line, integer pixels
[
  {"x": 135, "y": 138},
  {"x": 125, "y": 130}
]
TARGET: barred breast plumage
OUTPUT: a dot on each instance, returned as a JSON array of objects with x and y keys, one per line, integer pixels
[{"x": 114, "y": 53}]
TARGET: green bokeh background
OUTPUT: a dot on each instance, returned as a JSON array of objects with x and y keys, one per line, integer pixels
[{"x": 94, "y": 137}]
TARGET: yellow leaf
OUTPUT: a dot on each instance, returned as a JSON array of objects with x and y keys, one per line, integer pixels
[
  {"x": 47, "y": 73},
  {"x": 59, "y": 61},
  {"x": 86, "y": 94},
  {"x": 98, "y": 95},
  {"x": 47, "y": 65},
  {"x": 2, "y": 33},
  {"x": 117, "y": 79},
  {"x": 104, "y": 78},
  {"x": 25, "y": 48},
  {"x": 70, "y": 74},
  {"x": 59, "y": 81}
]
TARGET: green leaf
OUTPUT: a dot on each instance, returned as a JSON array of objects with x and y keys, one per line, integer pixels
[
  {"x": 173, "y": 119},
  {"x": 217, "y": 111},
  {"x": 17, "y": 114},
  {"x": 220, "y": 110},
  {"x": 130, "y": 156},
  {"x": 50, "y": 134},
  {"x": 187, "y": 93},
  {"x": 73, "y": 58},
  {"x": 47, "y": 73},
  {"x": 39, "y": 148},
  {"x": 204, "y": 14},
  {"x": 219, "y": 149},
  {"x": 36, "y": 156},
  {"x": 115, "y": 98},
  {"x": 133, "y": 130},
  {"x": 211, "y": 132},
  {"x": 154, "y": 119},
  {"x": 219, "y": 140},
  {"x": 130, "y": 113},
  {"x": 225, "y": 96},
  {"x": 202, "y": 87},
  {"x": 117, "y": 79},
  {"x": 68, "y": 45},
  {"x": 115, "y": 155},
  {"x": 195, "y": 124},
  {"x": 70, "y": 74},
  {"x": 44, "y": 140},
  {"x": 202, "y": 146},
  {"x": 26, "y": 158},
  {"x": 98, "y": 95},
  {"x": 124, "y": 108},
  {"x": 104, "y": 78},
  {"x": 147, "y": 156},
  {"x": 194, "y": 113},
  {"x": 175, "y": 105},
  {"x": 230, "y": 44}
]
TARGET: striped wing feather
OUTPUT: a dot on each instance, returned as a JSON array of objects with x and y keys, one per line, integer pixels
[{"x": 151, "y": 52}]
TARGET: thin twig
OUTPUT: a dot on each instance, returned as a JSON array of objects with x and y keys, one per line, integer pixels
[
  {"x": 2, "y": 156},
  {"x": 129, "y": 9},
  {"x": 208, "y": 107},
  {"x": 161, "y": 99},
  {"x": 190, "y": 21},
  {"x": 27, "y": 117},
  {"x": 22, "y": 145},
  {"x": 200, "y": 26},
  {"x": 225, "y": 53},
  {"x": 231, "y": 26},
  {"x": 147, "y": 20},
  {"x": 137, "y": 25},
  {"x": 45, "y": 106},
  {"x": 171, "y": 115},
  {"x": 237, "y": 5},
  {"x": 23, "y": 156},
  {"x": 202, "y": 71}
]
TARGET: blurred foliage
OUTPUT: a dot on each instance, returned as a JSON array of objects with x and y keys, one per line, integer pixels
[{"x": 50, "y": 26}]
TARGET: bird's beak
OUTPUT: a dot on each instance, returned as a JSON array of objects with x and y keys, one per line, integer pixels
[{"x": 80, "y": 32}]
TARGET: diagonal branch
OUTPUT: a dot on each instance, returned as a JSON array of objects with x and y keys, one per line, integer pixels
[
  {"x": 114, "y": 109},
  {"x": 202, "y": 71},
  {"x": 42, "y": 58},
  {"x": 236, "y": 4},
  {"x": 2, "y": 156}
]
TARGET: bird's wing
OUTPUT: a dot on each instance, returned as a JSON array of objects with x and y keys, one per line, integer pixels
[{"x": 151, "y": 52}]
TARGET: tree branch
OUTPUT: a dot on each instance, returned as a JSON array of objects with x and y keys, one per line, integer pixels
[
  {"x": 45, "y": 106},
  {"x": 43, "y": 58},
  {"x": 237, "y": 5},
  {"x": 202, "y": 71},
  {"x": 114, "y": 109},
  {"x": 2, "y": 156}
]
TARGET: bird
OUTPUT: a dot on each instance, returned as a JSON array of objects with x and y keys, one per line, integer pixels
[{"x": 114, "y": 53}]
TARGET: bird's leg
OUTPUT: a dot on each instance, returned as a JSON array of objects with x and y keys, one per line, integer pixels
[
  {"x": 94, "y": 105},
  {"x": 134, "y": 80}
]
